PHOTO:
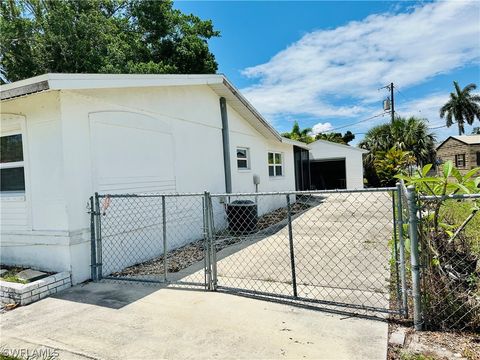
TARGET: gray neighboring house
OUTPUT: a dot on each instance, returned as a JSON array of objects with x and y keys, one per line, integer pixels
[{"x": 463, "y": 151}]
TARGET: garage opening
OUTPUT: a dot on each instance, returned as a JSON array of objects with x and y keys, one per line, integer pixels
[{"x": 328, "y": 174}]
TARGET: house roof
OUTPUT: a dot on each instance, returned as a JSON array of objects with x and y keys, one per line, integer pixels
[
  {"x": 300, "y": 144},
  {"x": 217, "y": 82},
  {"x": 466, "y": 139},
  {"x": 352, "y": 148}
]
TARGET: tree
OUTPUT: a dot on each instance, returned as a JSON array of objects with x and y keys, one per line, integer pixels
[
  {"x": 299, "y": 135},
  {"x": 462, "y": 106},
  {"x": 476, "y": 131},
  {"x": 101, "y": 36},
  {"x": 336, "y": 137},
  {"x": 410, "y": 135},
  {"x": 392, "y": 163}
]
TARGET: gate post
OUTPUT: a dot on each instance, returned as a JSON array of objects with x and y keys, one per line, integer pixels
[
  {"x": 164, "y": 239},
  {"x": 396, "y": 250},
  {"x": 93, "y": 252},
  {"x": 290, "y": 241},
  {"x": 208, "y": 260},
  {"x": 413, "y": 222},
  {"x": 213, "y": 256},
  {"x": 98, "y": 232},
  {"x": 401, "y": 240}
]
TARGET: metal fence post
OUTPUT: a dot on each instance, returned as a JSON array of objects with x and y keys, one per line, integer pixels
[
  {"x": 164, "y": 238},
  {"x": 208, "y": 266},
  {"x": 401, "y": 240},
  {"x": 395, "y": 249},
  {"x": 213, "y": 256},
  {"x": 290, "y": 240},
  {"x": 98, "y": 233},
  {"x": 414, "y": 255},
  {"x": 93, "y": 252}
]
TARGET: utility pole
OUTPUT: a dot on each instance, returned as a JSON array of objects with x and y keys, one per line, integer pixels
[
  {"x": 389, "y": 103},
  {"x": 392, "y": 111}
]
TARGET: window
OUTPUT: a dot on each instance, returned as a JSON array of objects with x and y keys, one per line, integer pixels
[
  {"x": 243, "y": 159},
  {"x": 460, "y": 160},
  {"x": 275, "y": 164},
  {"x": 12, "y": 174},
  {"x": 478, "y": 158}
]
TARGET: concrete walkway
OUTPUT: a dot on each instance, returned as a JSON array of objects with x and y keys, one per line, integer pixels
[{"x": 113, "y": 321}]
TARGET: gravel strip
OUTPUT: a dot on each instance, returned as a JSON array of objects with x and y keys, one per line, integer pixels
[{"x": 188, "y": 255}]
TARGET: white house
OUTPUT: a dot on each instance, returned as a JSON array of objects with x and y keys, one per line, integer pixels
[
  {"x": 335, "y": 166},
  {"x": 66, "y": 136}
]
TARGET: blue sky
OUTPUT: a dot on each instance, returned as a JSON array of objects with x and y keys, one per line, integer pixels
[{"x": 321, "y": 63}]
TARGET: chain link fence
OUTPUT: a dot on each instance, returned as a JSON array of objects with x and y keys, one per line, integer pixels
[
  {"x": 335, "y": 250},
  {"x": 331, "y": 249},
  {"x": 367, "y": 252},
  {"x": 150, "y": 238},
  {"x": 449, "y": 229}
]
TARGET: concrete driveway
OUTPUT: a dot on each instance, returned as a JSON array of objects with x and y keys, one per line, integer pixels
[
  {"x": 341, "y": 254},
  {"x": 113, "y": 321}
]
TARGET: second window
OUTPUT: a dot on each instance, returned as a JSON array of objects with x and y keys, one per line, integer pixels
[
  {"x": 243, "y": 159},
  {"x": 275, "y": 164}
]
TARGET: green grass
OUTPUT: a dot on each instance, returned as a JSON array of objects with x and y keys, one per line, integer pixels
[
  {"x": 456, "y": 212},
  {"x": 13, "y": 279},
  {"x": 11, "y": 276},
  {"x": 8, "y": 357},
  {"x": 406, "y": 356}
]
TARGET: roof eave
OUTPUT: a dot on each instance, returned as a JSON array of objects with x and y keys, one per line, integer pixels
[
  {"x": 295, "y": 143},
  {"x": 250, "y": 107},
  {"x": 24, "y": 89},
  {"x": 448, "y": 138},
  {"x": 363, "y": 151},
  {"x": 54, "y": 81}
]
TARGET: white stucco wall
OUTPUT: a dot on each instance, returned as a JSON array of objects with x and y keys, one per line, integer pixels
[
  {"x": 162, "y": 139},
  {"x": 34, "y": 226},
  {"x": 323, "y": 150},
  {"x": 244, "y": 136}
]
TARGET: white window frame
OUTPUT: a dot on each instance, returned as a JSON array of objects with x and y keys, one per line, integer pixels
[
  {"x": 243, "y": 159},
  {"x": 13, "y": 124},
  {"x": 464, "y": 160},
  {"x": 274, "y": 165}
]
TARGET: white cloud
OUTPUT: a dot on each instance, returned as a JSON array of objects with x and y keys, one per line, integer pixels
[
  {"x": 321, "y": 127},
  {"x": 427, "y": 107},
  {"x": 349, "y": 63}
]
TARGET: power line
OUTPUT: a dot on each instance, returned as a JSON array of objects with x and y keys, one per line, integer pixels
[
  {"x": 401, "y": 93},
  {"x": 437, "y": 127},
  {"x": 390, "y": 87},
  {"x": 358, "y": 122}
]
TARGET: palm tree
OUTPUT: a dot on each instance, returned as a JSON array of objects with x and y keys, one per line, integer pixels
[
  {"x": 336, "y": 137},
  {"x": 299, "y": 135},
  {"x": 462, "y": 106},
  {"x": 409, "y": 135}
]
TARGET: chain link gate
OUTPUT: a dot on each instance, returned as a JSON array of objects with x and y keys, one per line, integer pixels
[
  {"x": 151, "y": 238},
  {"x": 336, "y": 250}
]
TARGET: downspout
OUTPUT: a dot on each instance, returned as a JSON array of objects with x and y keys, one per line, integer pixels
[{"x": 226, "y": 145}]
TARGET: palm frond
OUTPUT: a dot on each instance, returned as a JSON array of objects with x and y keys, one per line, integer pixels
[
  {"x": 469, "y": 88},
  {"x": 457, "y": 88}
]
